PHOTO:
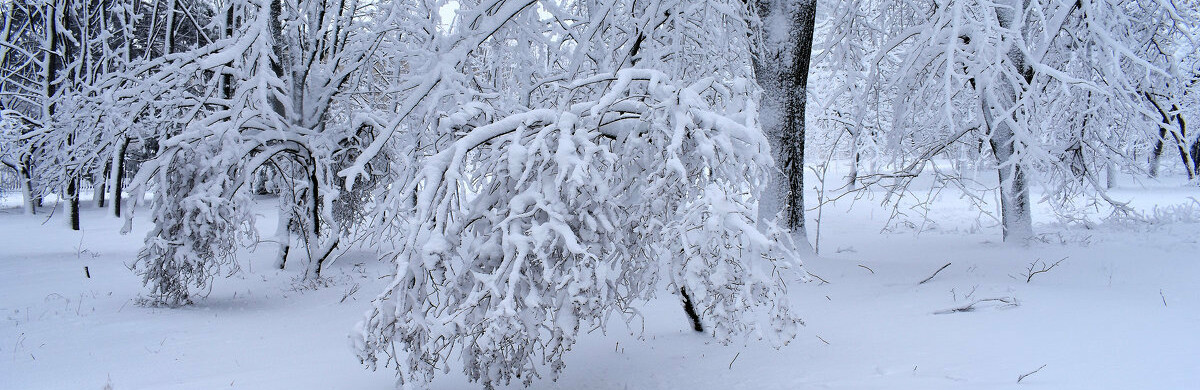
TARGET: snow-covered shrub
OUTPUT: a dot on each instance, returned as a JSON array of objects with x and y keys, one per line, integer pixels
[{"x": 198, "y": 226}]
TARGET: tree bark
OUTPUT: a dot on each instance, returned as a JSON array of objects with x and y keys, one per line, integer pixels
[
  {"x": 781, "y": 68},
  {"x": 118, "y": 175},
  {"x": 27, "y": 191},
  {"x": 100, "y": 186},
  {"x": 283, "y": 233},
  {"x": 690, "y": 309},
  {"x": 1156, "y": 154},
  {"x": 1180, "y": 138},
  {"x": 1016, "y": 216},
  {"x": 1111, "y": 172},
  {"x": 72, "y": 195}
]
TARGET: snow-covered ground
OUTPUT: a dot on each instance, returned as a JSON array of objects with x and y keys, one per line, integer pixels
[{"x": 1122, "y": 311}]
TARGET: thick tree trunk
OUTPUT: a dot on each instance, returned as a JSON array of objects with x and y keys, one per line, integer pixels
[
  {"x": 782, "y": 71},
  {"x": 1016, "y": 216}
]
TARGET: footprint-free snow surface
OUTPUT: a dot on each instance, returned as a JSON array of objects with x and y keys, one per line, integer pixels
[{"x": 1120, "y": 310}]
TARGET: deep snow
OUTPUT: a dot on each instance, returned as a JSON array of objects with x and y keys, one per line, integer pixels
[{"x": 1121, "y": 312}]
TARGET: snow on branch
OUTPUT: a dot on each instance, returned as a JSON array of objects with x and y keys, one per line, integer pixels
[{"x": 536, "y": 225}]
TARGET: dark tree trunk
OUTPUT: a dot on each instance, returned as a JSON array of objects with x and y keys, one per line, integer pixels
[
  {"x": 227, "y": 79},
  {"x": 1195, "y": 152},
  {"x": 100, "y": 188},
  {"x": 1180, "y": 139},
  {"x": 782, "y": 71},
  {"x": 73, "y": 202},
  {"x": 691, "y": 310},
  {"x": 1156, "y": 154},
  {"x": 118, "y": 175},
  {"x": 1187, "y": 153}
]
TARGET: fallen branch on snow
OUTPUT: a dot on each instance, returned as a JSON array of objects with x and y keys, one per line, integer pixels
[
  {"x": 1019, "y": 378},
  {"x": 934, "y": 273},
  {"x": 999, "y": 303},
  {"x": 1029, "y": 272}
]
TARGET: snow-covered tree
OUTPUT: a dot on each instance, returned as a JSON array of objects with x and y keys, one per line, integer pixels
[
  {"x": 1050, "y": 91},
  {"x": 64, "y": 62},
  {"x": 564, "y": 187},
  {"x": 270, "y": 90}
]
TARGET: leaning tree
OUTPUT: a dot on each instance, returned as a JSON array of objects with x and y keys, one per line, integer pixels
[{"x": 583, "y": 152}]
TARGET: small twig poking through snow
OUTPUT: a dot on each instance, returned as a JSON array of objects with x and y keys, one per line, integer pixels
[
  {"x": 734, "y": 360},
  {"x": 823, "y": 281},
  {"x": 1029, "y": 272},
  {"x": 1164, "y": 297},
  {"x": 822, "y": 340},
  {"x": 934, "y": 273},
  {"x": 1019, "y": 378},
  {"x": 867, "y": 268},
  {"x": 353, "y": 289},
  {"x": 1000, "y": 303}
]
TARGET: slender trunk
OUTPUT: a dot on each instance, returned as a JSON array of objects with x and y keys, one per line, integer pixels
[
  {"x": 1187, "y": 154},
  {"x": 691, "y": 310},
  {"x": 227, "y": 79},
  {"x": 1156, "y": 154},
  {"x": 283, "y": 233},
  {"x": 277, "y": 47},
  {"x": 1179, "y": 137},
  {"x": 100, "y": 188},
  {"x": 72, "y": 206},
  {"x": 326, "y": 250},
  {"x": 1195, "y": 152},
  {"x": 169, "y": 30},
  {"x": 1110, "y": 171},
  {"x": 26, "y": 177},
  {"x": 852, "y": 176},
  {"x": 118, "y": 175},
  {"x": 317, "y": 250}
]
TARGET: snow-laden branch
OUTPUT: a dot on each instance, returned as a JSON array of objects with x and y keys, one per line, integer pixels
[{"x": 533, "y": 226}]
